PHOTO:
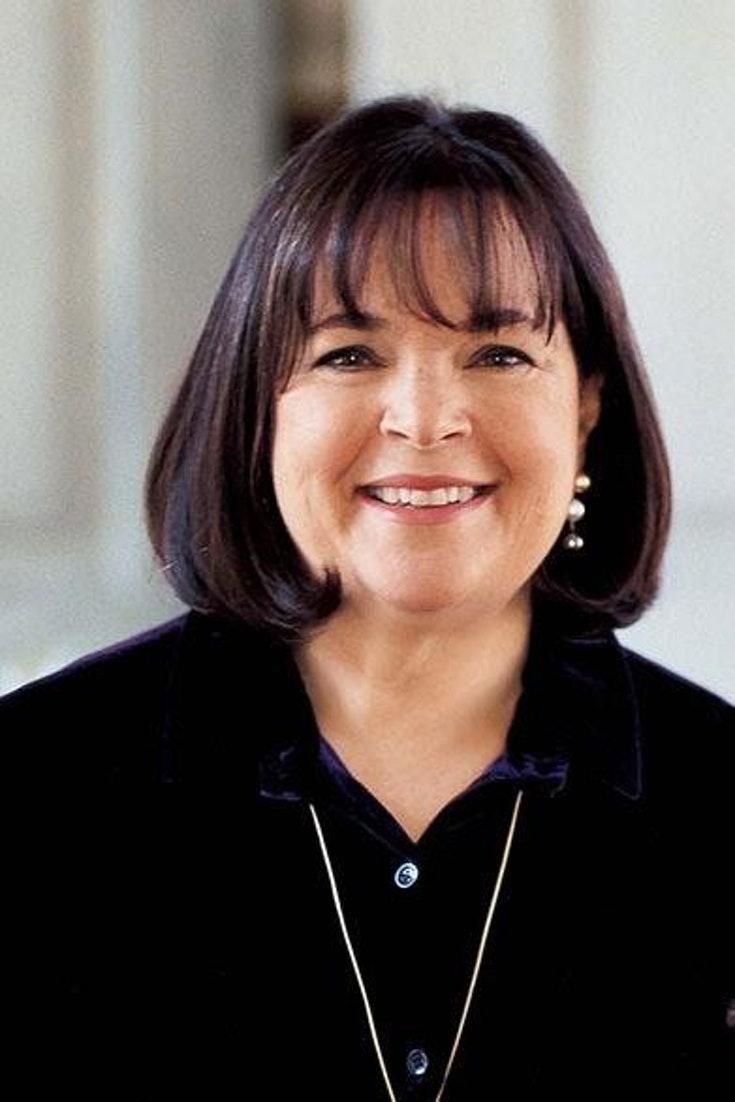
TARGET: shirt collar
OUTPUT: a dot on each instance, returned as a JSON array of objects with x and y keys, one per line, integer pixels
[{"x": 237, "y": 701}]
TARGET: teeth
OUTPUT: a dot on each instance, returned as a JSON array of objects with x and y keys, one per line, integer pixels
[{"x": 393, "y": 495}]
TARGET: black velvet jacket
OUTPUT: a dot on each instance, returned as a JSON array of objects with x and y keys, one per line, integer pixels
[{"x": 177, "y": 931}]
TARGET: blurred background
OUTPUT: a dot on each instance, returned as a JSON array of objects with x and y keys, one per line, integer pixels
[{"x": 136, "y": 135}]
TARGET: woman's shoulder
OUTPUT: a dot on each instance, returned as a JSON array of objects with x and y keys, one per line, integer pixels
[
  {"x": 657, "y": 688},
  {"x": 101, "y": 715},
  {"x": 652, "y": 678},
  {"x": 686, "y": 732},
  {"x": 136, "y": 664},
  {"x": 124, "y": 712}
]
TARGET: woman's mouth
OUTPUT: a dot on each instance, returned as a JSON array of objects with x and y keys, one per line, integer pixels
[{"x": 426, "y": 507}]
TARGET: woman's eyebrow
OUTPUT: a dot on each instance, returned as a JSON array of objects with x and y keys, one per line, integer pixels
[
  {"x": 485, "y": 321},
  {"x": 347, "y": 320},
  {"x": 489, "y": 321}
]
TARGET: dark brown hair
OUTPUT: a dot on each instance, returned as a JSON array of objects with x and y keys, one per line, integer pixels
[{"x": 211, "y": 507}]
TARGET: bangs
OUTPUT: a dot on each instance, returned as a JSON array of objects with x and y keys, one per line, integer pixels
[
  {"x": 505, "y": 257},
  {"x": 499, "y": 268},
  {"x": 431, "y": 198}
]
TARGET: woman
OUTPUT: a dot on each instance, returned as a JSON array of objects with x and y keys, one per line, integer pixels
[{"x": 427, "y": 830}]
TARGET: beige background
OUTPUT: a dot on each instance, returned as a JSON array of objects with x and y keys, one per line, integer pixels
[{"x": 135, "y": 135}]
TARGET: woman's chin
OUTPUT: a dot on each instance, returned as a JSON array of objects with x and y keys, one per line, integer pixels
[{"x": 411, "y": 593}]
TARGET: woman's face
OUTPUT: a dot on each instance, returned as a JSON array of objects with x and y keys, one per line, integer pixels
[{"x": 390, "y": 394}]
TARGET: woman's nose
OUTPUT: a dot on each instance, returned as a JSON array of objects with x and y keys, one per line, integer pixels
[{"x": 425, "y": 408}]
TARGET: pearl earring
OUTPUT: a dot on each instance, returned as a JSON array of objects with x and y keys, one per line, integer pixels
[{"x": 573, "y": 542}]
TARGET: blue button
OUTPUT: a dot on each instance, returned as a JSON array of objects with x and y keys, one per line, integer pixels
[
  {"x": 417, "y": 1062},
  {"x": 406, "y": 875}
]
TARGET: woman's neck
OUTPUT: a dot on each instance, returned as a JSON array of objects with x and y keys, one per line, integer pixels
[{"x": 416, "y": 715}]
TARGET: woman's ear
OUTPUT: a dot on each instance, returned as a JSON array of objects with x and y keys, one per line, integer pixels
[{"x": 590, "y": 406}]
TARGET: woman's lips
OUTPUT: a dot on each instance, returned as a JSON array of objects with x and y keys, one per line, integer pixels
[{"x": 427, "y": 514}]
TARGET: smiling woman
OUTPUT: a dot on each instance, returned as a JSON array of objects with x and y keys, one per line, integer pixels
[
  {"x": 372, "y": 440},
  {"x": 400, "y": 398},
  {"x": 392, "y": 397},
  {"x": 412, "y": 481},
  {"x": 450, "y": 228}
]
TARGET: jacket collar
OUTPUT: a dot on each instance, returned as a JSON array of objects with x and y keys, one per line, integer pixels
[{"x": 236, "y": 705}]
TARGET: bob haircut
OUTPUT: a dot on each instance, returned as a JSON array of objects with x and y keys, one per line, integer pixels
[{"x": 211, "y": 508}]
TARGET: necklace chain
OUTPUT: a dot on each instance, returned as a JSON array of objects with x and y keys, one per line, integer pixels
[{"x": 478, "y": 957}]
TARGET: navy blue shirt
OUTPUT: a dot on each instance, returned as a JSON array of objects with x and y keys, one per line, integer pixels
[
  {"x": 415, "y": 910},
  {"x": 177, "y": 932}
]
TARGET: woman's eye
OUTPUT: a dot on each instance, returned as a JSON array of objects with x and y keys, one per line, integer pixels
[
  {"x": 353, "y": 356},
  {"x": 498, "y": 355}
]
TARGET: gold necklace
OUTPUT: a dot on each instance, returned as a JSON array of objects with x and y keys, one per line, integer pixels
[{"x": 478, "y": 958}]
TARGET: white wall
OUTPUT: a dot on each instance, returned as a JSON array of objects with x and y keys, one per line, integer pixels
[
  {"x": 135, "y": 137},
  {"x": 637, "y": 100}
]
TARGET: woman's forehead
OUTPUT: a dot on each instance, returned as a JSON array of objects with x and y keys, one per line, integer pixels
[{"x": 434, "y": 262}]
